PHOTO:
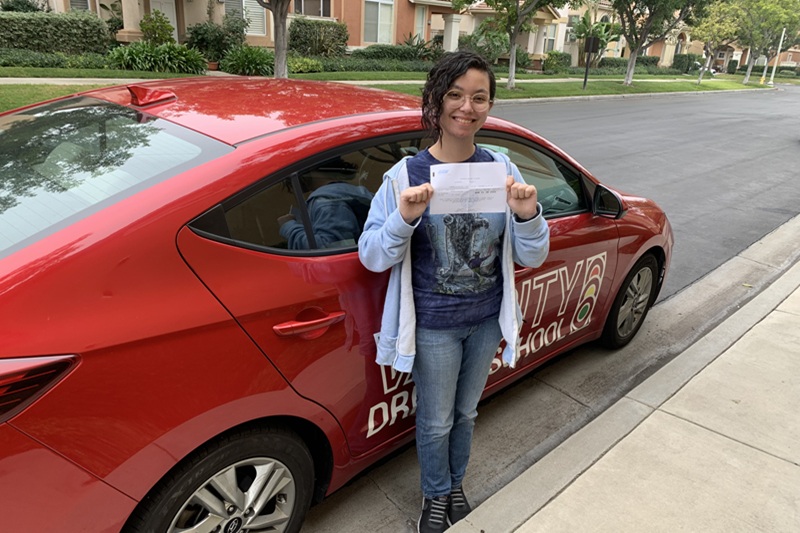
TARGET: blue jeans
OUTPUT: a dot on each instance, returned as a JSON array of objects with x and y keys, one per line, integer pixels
[{"x": 450, "y": 371}]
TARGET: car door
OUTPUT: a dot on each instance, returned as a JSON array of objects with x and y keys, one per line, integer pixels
[
  {"x": 560, "y": 299},
  {"x": 281, "y": 256}
]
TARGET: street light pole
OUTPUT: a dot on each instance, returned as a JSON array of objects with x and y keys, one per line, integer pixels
[{"x": 777, "y": 57}]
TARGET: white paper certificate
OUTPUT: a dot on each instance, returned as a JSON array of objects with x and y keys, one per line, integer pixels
[{"x": 468, "y": 188}]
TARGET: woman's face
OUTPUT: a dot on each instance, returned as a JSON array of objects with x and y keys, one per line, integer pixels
[{"x": 465, "y": 106}]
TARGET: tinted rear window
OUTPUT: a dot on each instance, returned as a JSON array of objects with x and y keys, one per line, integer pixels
[{"x": 67, "y": 159}]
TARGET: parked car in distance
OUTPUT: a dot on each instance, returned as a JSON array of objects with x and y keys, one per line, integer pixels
[{"x": 182, "y": 346}]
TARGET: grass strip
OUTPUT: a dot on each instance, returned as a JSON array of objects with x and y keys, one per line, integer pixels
[
  {"x": 593, "y": 88},
  {"x": 31, "y": 72},
  {"x": 14, "y": 96}
]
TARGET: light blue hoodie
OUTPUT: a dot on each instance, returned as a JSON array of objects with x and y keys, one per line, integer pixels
[{"x": 385, "y": 243}]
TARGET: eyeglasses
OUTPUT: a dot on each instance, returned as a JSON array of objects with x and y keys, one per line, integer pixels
[{"x": 480, "y": 102}]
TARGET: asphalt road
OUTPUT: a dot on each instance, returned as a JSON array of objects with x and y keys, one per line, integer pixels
[{"x": 724, "y": 168}]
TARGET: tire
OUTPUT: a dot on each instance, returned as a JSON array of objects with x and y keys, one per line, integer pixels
[
  {"x": 248, "y": 482},
  {"x": 632, "y": 303}
]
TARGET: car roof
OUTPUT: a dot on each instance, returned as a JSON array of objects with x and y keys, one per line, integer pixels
[{"x": 234, "y": 109}]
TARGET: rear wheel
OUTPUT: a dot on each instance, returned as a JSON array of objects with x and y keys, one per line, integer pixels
[
  {"x": 252, "y": 481},
  {"x": 632, "y": 303}
]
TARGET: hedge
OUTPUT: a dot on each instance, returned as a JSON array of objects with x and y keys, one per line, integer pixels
[
  {"x": 400, "y": 52},
  {"x": 354, "y": 64},
  {"x": 557, "y": 61},
  {"x": 686, "y": 62},
  {"x": 309, "y": 37},
  {"x": 74, "y": 32}
]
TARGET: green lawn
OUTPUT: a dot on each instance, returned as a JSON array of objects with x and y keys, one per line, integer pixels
[
  {"x": 13, "y": 96},
  {"x": 593, "y": 87},
  {"x": 30, "y": 72}
]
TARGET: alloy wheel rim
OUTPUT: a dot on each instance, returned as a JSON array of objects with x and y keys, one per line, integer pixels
[
  {"x": 254, "y": 495},
  {"x": 634, "y": 304}
]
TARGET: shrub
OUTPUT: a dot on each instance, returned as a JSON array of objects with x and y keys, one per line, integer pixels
[
  {"x": 733, "y": 64},
  {"x": 86, "y": 61},
  {"x": 557, "y": 61},
  {"x": 400, "y": 52},
  {"x": 524, "y": 61},
  {"x": 786, "y": 74},
  {"x": 299, "y": 65},
  {"x": 15, "y": 57},
  {"x": 613, "y": 62},
  {"x": 75, "y": 32},
  {"x": 486, "y": 41},
  {"x": 248, "y": 61},
  {"x": 647, "y": 61},
  {"x": 214, "y": 40},
  {"x": 114, "y": 24},
  {"x": 207, "y": 38},
  {"x": 318, "y": 37},
  {"x": 618, "y": 62},
  {"x": 354, "y": 64},
  {"x": 426, "y": 51},
  {"x": 682, "y": 62},
  {"x": 168, "y": 57},
  {"x": 24, "y": 6},
  {"x": 156, "y": 28}
]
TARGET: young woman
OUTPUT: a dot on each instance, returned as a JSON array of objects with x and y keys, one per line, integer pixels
[{"x": 451, "y": 295}]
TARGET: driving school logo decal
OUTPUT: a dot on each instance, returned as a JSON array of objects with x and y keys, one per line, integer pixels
[{"x": 578, "y": 287}]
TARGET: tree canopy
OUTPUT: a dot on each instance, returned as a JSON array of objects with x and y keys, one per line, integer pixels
[
  {"x": 759, "y": 24},
  {"x": 645, "y": 22},
  {"x": 514, "y": 16}
]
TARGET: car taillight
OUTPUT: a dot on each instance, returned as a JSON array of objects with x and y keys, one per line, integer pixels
[{"x": 25, "y": 379}]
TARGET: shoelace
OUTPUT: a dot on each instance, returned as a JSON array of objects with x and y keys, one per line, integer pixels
[
  {"x": 438, "y": 511},
  {"x": 457, "y": 498}
]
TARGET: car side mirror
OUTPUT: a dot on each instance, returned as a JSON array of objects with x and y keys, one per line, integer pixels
[{"x": 606, "y": 203}]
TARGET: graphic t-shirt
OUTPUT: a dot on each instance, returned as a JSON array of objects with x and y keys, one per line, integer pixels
[{"x": 456, "y": 272}]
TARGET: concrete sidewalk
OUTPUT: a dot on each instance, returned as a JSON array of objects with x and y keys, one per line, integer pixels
[{"x": 710, "y": 443}]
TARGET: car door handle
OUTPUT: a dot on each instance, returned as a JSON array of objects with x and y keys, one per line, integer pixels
[{"x": 308, "y": 329}]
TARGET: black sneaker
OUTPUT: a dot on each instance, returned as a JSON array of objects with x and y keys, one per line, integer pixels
[
  {"x": 459, "y": 506},
  {"x": 434, "y": 515}
]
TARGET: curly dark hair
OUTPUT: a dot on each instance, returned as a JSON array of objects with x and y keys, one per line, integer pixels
[{"x": 441, "y": 77}]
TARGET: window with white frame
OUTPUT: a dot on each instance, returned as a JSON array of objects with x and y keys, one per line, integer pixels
[
  {"x": 550, "y": 37},
  {"x": 378, "y": 21},
  {"x": 419, "y": 21},
  {"x": 721, "y": 55},
  {"x": 313, "y": 8},
  {"x": 252, "y": 11}
]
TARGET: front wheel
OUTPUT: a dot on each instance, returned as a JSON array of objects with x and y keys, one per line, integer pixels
[
  {"x": 249, "y": 482},
  {"x": 630, "y": 307}
]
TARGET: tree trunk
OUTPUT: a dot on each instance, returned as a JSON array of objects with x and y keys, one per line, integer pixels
[
  {"x": 631, "y": 66},
  {"x": 709, "y": 59},
  {"x": 280, "y": 13},
  {"x": 512, "y": 66},
  {"x": 750, "y": 62}
]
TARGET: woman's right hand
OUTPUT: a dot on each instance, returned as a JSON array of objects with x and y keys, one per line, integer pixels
[{"x": 414, "y": 201}]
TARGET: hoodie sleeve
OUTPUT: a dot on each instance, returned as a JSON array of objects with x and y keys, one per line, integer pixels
[
  {"x": 386, "y": 235},
  {"x": 530, "y": 239}
]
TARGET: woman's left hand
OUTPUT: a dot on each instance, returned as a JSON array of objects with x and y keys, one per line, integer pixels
[{"x": 521, "y": 198}]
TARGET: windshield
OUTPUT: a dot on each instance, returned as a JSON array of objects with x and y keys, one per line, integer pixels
[{"x": 67, "y": 159}]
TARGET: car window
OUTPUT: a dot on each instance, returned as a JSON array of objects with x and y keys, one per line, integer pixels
[
  {"x": 319, "y": 208},
  {"x": 558, "y": 185},
  {"x": 68, "y": 158}
]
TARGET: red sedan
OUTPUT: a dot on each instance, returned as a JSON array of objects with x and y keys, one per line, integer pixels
[{"x": 184, "y": 348}]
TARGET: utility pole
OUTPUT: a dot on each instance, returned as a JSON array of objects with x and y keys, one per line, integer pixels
[{"x": 777, "y": 57}]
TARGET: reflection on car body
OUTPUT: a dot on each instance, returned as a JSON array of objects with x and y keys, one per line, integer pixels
[{"x": 172, "y": 355}]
